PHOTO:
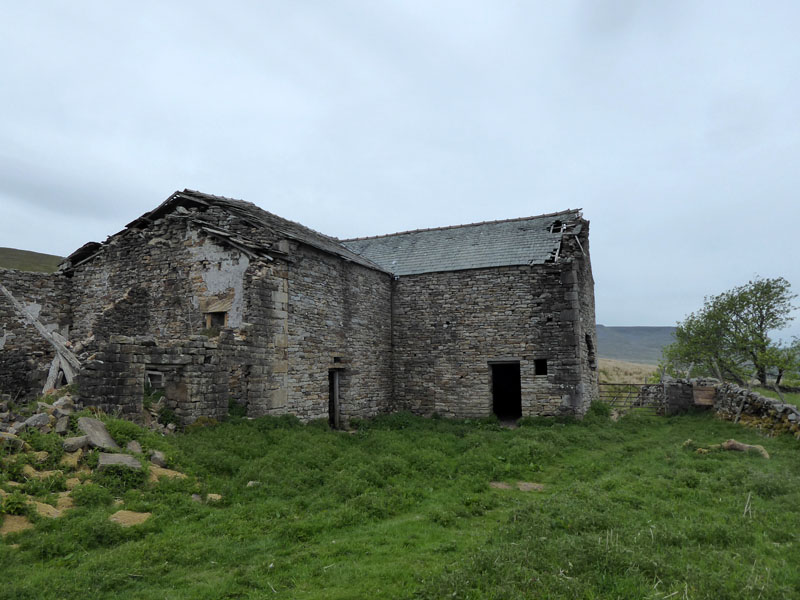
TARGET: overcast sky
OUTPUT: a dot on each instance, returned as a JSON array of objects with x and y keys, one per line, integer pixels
[{"x": 675, "y": 125}]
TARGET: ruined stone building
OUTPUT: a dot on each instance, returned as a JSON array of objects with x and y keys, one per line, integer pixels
[{"x": 214, "y": 299}]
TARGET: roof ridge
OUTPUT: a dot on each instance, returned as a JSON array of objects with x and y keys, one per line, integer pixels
[
  {"x": 253, "y": 204},
  {"x": 229, "y": 204},
  {"x": 446, "y": 227}
]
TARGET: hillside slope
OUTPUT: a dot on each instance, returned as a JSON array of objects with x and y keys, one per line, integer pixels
[
  {"x": 24, "y": 260},
  {"x": 633, "y": 344}
]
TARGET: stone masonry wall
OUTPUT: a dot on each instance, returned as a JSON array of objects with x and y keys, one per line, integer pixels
[
  {"x": 194, "y": 381},
  {"x": 767, "y": 414},
  {"x": 153, "y": 282},
  {"x": 25, "y": 356},
  {"x": 585, "y": 329},
  {"x": 449, "y": 326},
  {"x": 337, "y": 310}
]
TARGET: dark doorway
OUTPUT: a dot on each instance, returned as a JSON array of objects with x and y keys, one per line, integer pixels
[
  {"x": 506, "y": 391},
  {"x": 333, "y": 398}
]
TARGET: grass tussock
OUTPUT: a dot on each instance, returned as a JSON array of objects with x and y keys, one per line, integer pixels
[{"x": 402, "y": 508}]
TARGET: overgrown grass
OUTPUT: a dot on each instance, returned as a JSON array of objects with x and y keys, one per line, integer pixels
[{"x": 402, "y": 508}]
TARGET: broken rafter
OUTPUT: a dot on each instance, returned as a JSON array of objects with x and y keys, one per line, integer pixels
[{"x": 69, "y": 360}]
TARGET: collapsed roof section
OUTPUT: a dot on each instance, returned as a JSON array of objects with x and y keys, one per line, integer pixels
[
  {"x": 264, "y": 229},
  {"x": 525, "y": 241}
]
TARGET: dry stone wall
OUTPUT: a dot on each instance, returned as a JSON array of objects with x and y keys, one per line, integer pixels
[{"x": 755, "y": 410}]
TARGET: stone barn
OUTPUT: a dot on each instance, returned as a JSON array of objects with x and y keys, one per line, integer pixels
[{"x": 214, "y": 300}]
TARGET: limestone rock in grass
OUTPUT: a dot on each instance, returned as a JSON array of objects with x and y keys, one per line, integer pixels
[
  {"x": 3, "y": 493},
  {"x": 62, "y": 412},
  {"x": 45, "y": 510},
  {"x": 14, "y": 523},
  {"x": 5, "y": 417},
  {"x": 213, "y": 497},
  {"x": 499, "y": 485},
  {"x": 129, "y": 518},
  {"x": 157, "y": 473},
  {"x": 70, "y": 460},
  {"x": 41, "y": 457},
  {"x": 43, "y": 407},
  {"x": 97, "y": 433},
  {"x": 10, "y": 440},
  {"x": 134, "y": 446},
  {"x": 64, "y": 401},
  {"x": 157, "y": 458},
  {"x": 62, "y": 425},
  {"x": 197, "y": 498},
  {"x": 253, "y": 483},
  {"x": 72, "y": 483},
  {"x": 529, "y": 486},
  {"x": 117, "y": 460},
  {"x": 75, "y": 443},
  {"x": 37, "y": 420}
]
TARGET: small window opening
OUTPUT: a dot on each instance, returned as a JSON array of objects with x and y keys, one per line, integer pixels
[
  {"x": 556, "y": 227},
  {"x": 540, "y": 366},
  {"x": 337, "y": 359},
  {"x": 155, "y": 380},
  {"x": 216, "y": 320}
]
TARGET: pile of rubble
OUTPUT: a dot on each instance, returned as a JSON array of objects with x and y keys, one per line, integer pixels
[
  {"x": 54, "y": 417},
  {"x": 79, "y": 437}
]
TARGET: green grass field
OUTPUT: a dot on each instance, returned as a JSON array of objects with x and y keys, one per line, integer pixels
[
  {"x": 23, "y": 260},
  {"x": 402, "y": 508}
]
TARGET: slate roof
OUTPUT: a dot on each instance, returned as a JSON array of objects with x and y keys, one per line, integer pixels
[{"x": 479, "y": 245}]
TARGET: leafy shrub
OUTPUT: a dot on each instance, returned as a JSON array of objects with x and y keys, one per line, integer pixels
[
  {"x": 599, "y": 410},
  {"x": 15, "y": 503},
  {"x": 91, "y": 494},
  {"x": 43, "y": 487},
  {"x": 167, "y": 416},
  {"x": 281, "y": 422},
  {"x": 48, "y": 443},
  {"x": 123, "y": 431},
  {"x": 118, "y": 479},
  {"x": 202, "y": 422}
]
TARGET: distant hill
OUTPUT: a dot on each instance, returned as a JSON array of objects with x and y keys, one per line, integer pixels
[
  {"x": 633, "y": 344},
  {"x": 23, "y": 260}
]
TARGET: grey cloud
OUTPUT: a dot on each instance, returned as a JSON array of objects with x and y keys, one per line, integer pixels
[{"x": 673, "y": 124}]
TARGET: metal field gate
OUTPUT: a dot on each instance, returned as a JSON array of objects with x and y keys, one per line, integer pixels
[{"x": 625, "y": 397}]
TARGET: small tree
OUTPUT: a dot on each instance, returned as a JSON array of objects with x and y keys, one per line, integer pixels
[{"x": 729, "y": 337}]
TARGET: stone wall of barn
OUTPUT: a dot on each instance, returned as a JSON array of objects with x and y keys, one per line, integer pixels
[
  {"x": 449, "y": 328},
  {"x": 338, "y": 318},
  {"x": 156, "y": 282},
  {"x": 582, "y": 296},
  {"x": 25, "y": 356}
]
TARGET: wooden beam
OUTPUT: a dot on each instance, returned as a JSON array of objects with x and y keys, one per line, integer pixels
[{"x": 66, "y": 354}]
